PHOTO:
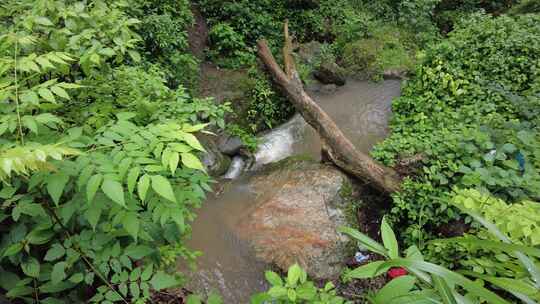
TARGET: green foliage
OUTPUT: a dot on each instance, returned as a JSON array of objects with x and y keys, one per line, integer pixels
[
  {"x": 471, "y": 113},
  {"x": 87, "y": 200},
  {"x": 228, "y": 48},
  {"x": 525, "y": 7},
  {"x": 267, "y": 107},
  {"x": 237, "y": 25},
  {"x": 163, "y": 29},
  {"x": 249, "y": 139},
  {"x": 490, "y": 253},
  {"x": 428, "y": 282},
  {"x": 296, "y": 288}
]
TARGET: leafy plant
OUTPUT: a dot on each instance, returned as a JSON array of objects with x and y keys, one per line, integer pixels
[
  {"x": 432, "y": 283},
  {"x": 249, "y": 139},
  {"x": 267, "y": 108},
  {"x": 467, "y": 113},
  {"x": 87, "y": 203},
  {"x": 296, "y": 288}
]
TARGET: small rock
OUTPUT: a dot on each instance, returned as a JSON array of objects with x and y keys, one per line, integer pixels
[
  {"x": 213, "y": 160},
  {"x": 394, "y": 74},
  {"x": 230, "y": 145},
  {"x": 330, "y": 73}
]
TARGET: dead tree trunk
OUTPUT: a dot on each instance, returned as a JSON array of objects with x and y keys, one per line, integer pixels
[{"x": 340, "y": 150}]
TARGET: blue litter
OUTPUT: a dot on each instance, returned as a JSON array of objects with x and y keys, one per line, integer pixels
[
  {"x": 360, "y": 257},
  {"x": 521, "y": 161}
]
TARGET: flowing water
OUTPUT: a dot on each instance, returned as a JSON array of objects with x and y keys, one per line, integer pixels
[{"x": 228, "y": 266}]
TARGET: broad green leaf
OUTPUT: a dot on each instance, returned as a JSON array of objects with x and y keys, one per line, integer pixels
[
  {"x": 60, "y": 92},
  {"x": 138, "y": 252},
  {"x": 142, "y": 186},
  {"x": 194, "y": 299},
  {"x": 54, "y": 253},
  {"x": 191, "y": 161},
  {"x": 76, "y": 278},
  {"x": 114, "y": 191},
  {"x": 389, "y": 239},
  {"x": 487, "y": 244},
  {"x": 132, "y": 177},
  {"x": 194, "y": 128},
  {"x": 163, "y": 187},
  {"x": 277, "y": 292},
  {"x": 19, "y": 291},
  {"x": 367, "y": 271},
  {"x": 445, "y": 292},
  {"x": 273, "y": 278},
  {"x": 43, "y": 21},
  {"x": 58, "y": 273},
  {"x": 191, "y": 140},
  {"x": 13, "y": 249},
  {"x": 294, "y": 274},
  {"x": 448, "y": 276},
  {"x": 134, "y": 290},
  {"x": 365, "y": 240},
  {"x": 214, "y": 299},
  {"x": 147, "y": 272},
  {"x": 92, "y": 186},
  {"x": 55, "y": 186},
  {"x": 174, "y": 159},
  {"x": 161, "y": 281},
  {"x": 31, "y": 267},
  {"x": 131, "y": 224},
  {"x": 30, "y": 97},
  {"x": 30, "y": 123},
  {"x": 47, "y": 95},
  {"x": 511, "y": 285},
  {"x": 395, "y": 288}
]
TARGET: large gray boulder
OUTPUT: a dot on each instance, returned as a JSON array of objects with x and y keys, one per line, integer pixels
[{"x": 296, "y": 216}]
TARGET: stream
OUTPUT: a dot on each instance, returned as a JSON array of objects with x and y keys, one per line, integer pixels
[{"x": 228, "y": 266}]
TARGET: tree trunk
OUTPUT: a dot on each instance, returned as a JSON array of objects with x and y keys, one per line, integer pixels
[{"x": 340, "y": 150}]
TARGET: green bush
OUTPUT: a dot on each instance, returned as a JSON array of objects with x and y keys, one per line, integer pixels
[
  {"x": 470, "y": 111},
  {"x": 163, "y": 29},
  {"x": 296, "y": 288},
  {"x": 387, "y": 48},
  {"x": 228, "y": 48},
  {"x": 267, "y": 107},
  {"x": 421, "y": 281},
  {"x": 90, "y": 205}
]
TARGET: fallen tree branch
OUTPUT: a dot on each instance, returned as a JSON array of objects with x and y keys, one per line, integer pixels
[{"x": 340, "y": 150}]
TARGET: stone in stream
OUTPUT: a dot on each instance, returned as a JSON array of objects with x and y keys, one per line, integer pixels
[
  {"x": 296, "y": 215},
  {"x": 230, "y": 145},
  {"x": 213, "y": 160},
  {"x": 330, "y": 73}
]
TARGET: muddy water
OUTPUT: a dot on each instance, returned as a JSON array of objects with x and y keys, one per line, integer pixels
[{"x": 228, "y": 266}]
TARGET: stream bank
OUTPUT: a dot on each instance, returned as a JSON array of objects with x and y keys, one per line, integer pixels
[{"x": 240, "y": 228}]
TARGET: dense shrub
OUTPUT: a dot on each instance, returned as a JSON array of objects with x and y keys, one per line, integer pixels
[
  {"x": 91, "y": 204},
  {"x": 267, "y": 108},
  {"x": 470, "y": 112},
  {"x": 163, "y": 29}
]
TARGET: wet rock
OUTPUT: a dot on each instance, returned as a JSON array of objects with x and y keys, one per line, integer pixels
[
  {"x": 394, "y": 74},
  {"x": 296, "y": 216},
  {"x": 213, "y": 160},
  {"x": 330, "y": 73},
  {"x": 230, "y": 145}
]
